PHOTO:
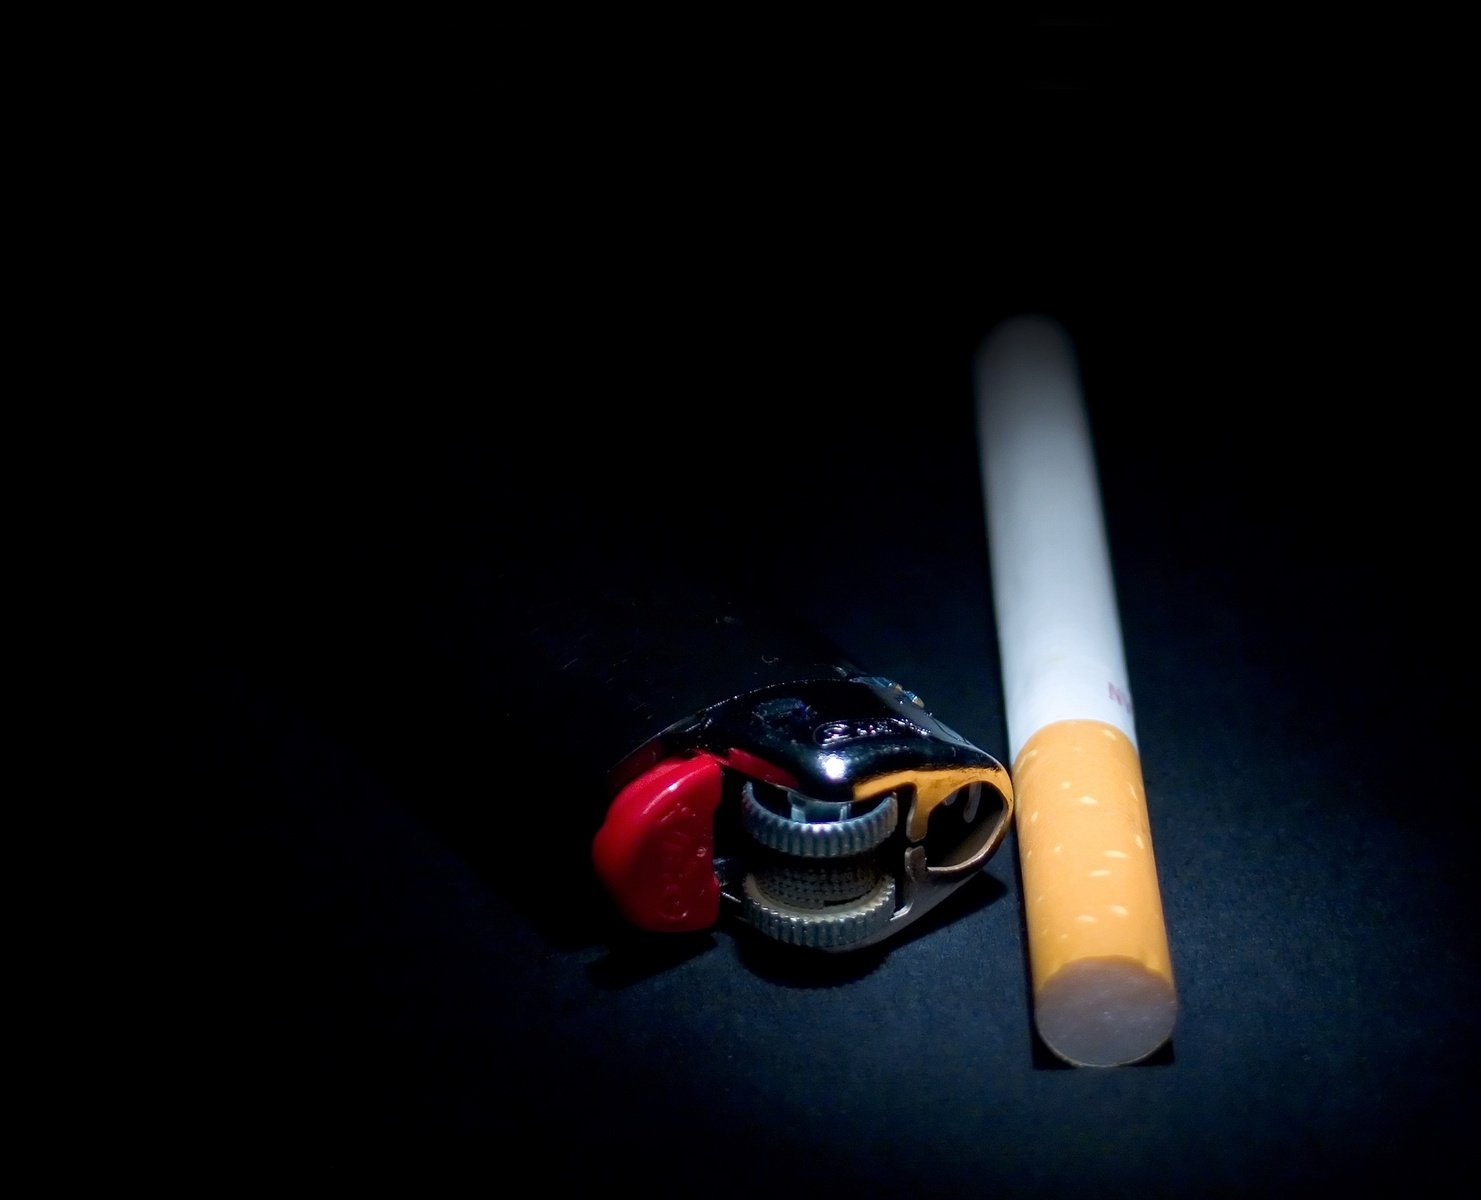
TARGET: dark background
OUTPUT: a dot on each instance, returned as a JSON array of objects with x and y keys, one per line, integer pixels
[{"x": 413, "y": 341}]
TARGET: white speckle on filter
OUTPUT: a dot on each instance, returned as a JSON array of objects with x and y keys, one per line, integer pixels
[
  {"x": 1033, "y": 817},
  {"x": 1140, "y": 845},
  {"x": 1116, "y": 854},
  {"x": 1100, "y": 873},
  {"x": 1120, "y": 910},
  {"x": 1086, "y": 919},
  {"x": 1066, "y": 784},
  {"x": 1058, "y": 848},
  {"x": 1088, "y": 800}
]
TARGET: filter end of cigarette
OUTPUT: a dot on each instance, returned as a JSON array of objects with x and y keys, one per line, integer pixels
[
  {"x": 1107, "y": 1012},
  {"x": 1104, "y": 994}
]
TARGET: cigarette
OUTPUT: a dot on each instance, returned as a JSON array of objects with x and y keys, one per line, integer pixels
[{"x": 1103, "y": 988}]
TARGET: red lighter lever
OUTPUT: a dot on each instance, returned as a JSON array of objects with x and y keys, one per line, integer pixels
[{"x": 655, "y": 851}]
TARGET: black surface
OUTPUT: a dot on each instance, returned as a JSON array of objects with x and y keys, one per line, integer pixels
[{"x": 380, "y": 948}]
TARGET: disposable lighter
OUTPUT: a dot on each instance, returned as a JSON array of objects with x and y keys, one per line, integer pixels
[{"x": 753, "y": 776}]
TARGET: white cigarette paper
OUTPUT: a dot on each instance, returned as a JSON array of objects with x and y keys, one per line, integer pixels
[{"x": 1103, "y": 985}]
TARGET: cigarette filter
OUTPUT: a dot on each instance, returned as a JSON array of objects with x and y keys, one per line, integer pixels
[{"x": 1103, "y": 988}]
